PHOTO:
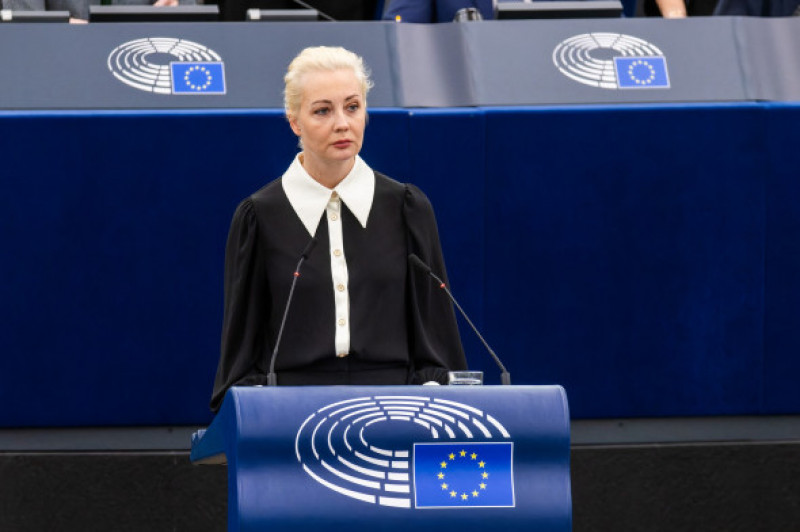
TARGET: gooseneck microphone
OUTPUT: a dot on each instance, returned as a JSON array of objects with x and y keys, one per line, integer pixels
[
  {"x": 307, "y": 6},
  {"x": 272, "y": 378},
  {"x": 505, "y": 377}
]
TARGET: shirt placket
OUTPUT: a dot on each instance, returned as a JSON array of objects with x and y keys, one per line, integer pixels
[{"x": 333, "y": 212}]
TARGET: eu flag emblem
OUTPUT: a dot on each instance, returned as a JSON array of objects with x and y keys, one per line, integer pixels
[
  {"x": 463, "y": 475},
  {"x": 198, "y": 78},
  {"x": 641, "y": 72}
]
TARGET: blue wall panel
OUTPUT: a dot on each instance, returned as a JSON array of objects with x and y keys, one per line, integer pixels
[
  {"x": 782, "y": 299},
  {"x": 113, "y": 238},
  {"x": 448, "y": 164},
  {"x": 626, "y": 256},
  {"x": 644, "y": 257}
]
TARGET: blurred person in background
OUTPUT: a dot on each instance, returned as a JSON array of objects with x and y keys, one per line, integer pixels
[{"x": 79, "y": 9}]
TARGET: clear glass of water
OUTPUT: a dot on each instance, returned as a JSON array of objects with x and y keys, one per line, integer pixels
[{"x": 464, "y": 378}]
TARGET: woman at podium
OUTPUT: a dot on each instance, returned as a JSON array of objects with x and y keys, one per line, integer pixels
[{"x": 359, "y": 312}]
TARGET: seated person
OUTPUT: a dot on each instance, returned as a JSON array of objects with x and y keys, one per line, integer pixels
[
  {"x": 79, "y": 9},
  {"x": 233, "y": 10},
  {"x": 426, "y": 11},
  {"x": 758, "y": 8},
  {"x": 677, "y": 8}
]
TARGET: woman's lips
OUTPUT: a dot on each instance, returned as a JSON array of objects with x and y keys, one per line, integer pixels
[{"x": 342, "y": 144}]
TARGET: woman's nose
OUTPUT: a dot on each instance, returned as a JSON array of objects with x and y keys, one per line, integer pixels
[{"x": 340, "y": 120}]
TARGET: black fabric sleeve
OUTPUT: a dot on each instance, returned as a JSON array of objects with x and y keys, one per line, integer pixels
[
  {"x": 242, "y": 358},
  {"x": 434, "y": 339}
]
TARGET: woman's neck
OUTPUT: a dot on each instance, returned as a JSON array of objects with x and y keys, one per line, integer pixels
[{"x": 327, "y": 175}]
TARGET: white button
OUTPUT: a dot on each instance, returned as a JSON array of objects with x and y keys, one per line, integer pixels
[
  {"x": 337, "y": 252},
  {"x": 341, "y": 322},
  {"x": 334, "y": 195},
  {"x": 341, "y": 355},
  {"x": 340, "y": 287},
  {"x": 334, "y": 217}
]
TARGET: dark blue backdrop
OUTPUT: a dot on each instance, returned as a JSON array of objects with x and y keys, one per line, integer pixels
[{"x": 643, "y": 257}]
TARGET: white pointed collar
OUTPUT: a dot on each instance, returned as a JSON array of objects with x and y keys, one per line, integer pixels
[{"x": 309, "y": 198}]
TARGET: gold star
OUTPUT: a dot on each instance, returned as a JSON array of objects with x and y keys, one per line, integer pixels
[
  {"x": 452, "y": 456},
  {"x": 453, "y": 494},
  {"x": 485, "y": 475},
  {"x": 440, "y": 475},
  {"x": 444, "y": 486},
  {"x": 464, "y": 496},
  {"x": 473, "y": 456},
  {"x": 482, "y": 486},
  {"x": 474, "y": 493},
  {"x": 463, "y": 453},
  {"x": 481, "y": 463},
  {"x": 444, "y": 465}
]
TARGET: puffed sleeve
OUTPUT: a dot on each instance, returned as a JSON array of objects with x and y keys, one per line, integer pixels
[
  {"x": 246, "y": 308},
  {"x": 435, "y": 342}
]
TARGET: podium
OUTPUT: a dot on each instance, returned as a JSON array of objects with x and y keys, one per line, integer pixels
[{"x": 393, "y": 458}]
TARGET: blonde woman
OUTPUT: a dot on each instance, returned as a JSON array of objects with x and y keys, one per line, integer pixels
[{"x": 360, "y": 314}]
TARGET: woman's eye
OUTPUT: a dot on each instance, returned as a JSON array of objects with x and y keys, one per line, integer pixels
[
  {"x": 321, "y": 111},
  {"x": 353, "y": 107}
]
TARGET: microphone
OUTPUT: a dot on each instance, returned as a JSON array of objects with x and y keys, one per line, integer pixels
[
  {"x": 307, "y": 6},
  {"x": 505, "y": 377},
  {"x": 466, "y": 14},
  {"x": 272, "y": 378}
]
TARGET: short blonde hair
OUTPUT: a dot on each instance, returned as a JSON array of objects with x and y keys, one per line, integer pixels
[{"x": 320, "y": 58}]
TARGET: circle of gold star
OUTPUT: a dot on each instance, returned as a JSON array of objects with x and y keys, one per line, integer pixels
[
  {"x": 462, "y": 455},
  {"x": 198, "y": 86},
  {"x": 650, "y": 70}
]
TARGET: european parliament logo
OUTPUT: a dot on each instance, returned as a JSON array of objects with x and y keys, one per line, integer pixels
[
  {"x": 409, "y": 452},
  {"x": 612, "y": 61},
  {"x": 165, "y": 65}
]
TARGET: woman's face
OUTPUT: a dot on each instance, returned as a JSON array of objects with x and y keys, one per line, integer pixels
[{"x": 331, "y": 118}]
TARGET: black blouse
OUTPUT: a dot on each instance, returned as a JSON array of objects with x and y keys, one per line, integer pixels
[{"x": 402, "y": 326}]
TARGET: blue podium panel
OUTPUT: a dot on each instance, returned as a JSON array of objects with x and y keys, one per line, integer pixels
[{"x": 394, "y": 458}]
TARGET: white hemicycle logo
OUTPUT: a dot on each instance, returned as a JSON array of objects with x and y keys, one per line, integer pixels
[
  {"x": 339, "y": 445},
  {"x": 612, "y": 61},
  {"x": 165, "y": 65}
]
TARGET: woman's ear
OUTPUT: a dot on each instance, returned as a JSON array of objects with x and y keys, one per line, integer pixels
[{"x": 293, "y": 124}]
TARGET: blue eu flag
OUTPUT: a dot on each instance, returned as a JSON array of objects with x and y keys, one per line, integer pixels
[
  {"x": 198, "y": 78},
  {"x": 642, "y": 72},
  {"x": 463, "y": 475}
]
